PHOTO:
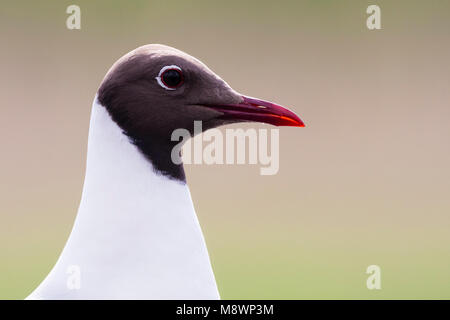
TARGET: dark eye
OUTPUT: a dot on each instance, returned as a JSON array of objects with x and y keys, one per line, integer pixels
[{"x": 171, "y": 78}]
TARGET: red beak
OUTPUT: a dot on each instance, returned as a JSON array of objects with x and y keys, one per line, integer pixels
[{"x": 255, "y": 110}]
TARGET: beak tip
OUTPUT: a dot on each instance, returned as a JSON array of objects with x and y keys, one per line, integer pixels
[{"x": 297, "y": 122}]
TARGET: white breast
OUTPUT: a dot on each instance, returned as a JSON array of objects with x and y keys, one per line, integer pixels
[{"x": 136, "y": 235}]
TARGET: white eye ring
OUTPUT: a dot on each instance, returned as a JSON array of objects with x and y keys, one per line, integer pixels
[{"x": 159, "y": 80}]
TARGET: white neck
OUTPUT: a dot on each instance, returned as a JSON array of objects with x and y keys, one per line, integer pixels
[{"x": 136, "y": 235}]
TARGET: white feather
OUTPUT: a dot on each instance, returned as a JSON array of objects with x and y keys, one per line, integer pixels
[{"x": 136, "y": 235}]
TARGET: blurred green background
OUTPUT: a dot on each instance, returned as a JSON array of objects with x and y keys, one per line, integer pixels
[{"x": 366, "y": 182}]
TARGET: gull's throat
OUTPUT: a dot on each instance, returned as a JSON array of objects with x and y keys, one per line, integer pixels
[{"x": 136, "y": 234}]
